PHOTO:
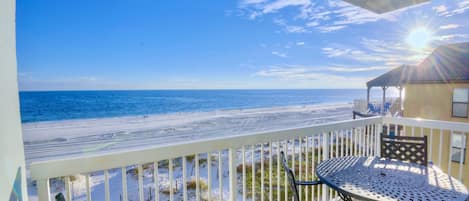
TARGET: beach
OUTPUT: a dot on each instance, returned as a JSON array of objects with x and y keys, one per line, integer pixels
[{"x": 60, "y": 139}]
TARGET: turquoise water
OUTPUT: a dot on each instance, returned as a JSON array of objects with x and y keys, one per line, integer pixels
[{"x": 63, "y": 105}]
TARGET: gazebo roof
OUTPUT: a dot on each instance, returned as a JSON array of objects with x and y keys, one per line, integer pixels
[{"x": 448, "y": 63}]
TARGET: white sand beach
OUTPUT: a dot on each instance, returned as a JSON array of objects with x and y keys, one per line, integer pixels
[{"x": 58, "y": 139}]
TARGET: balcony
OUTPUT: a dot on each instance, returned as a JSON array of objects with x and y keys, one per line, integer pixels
[{"x": 245, "y": 167}]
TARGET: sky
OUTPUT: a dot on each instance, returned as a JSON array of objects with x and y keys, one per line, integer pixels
[{"x": 244, "y": 44}]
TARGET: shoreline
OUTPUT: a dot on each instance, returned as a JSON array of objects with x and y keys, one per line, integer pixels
[{"x": 64, "y": 138}]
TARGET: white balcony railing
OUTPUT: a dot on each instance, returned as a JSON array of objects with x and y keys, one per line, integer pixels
[{"x": 243, "y": 167}]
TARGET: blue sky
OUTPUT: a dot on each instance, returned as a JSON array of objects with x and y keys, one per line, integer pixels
[{"x": 143, "y": 44}]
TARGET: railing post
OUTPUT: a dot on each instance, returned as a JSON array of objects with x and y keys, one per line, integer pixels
[
  {"x": 43, "y": 189},
  {"x": 232, "y": 174},
  {"x": 378, "y": 139},
  {"x": 325, "y": 155}
]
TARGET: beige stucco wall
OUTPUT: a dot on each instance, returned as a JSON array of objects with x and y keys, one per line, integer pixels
[{"x": 434, "y": 101}]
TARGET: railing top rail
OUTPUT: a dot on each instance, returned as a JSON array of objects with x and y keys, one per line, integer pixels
[
  {"x": 116, "y": 159},
  {"x": 426, "y": 123}
]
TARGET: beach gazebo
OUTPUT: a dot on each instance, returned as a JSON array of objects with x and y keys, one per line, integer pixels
[{"x": 394, "y": 78}]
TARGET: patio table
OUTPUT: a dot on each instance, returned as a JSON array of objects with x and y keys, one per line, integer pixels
[{"x": 373, "y": 178}]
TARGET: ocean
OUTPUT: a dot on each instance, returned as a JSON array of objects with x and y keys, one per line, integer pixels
[{"x": 67, "y": 105}]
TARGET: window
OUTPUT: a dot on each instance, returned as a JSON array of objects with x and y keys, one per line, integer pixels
[
  {"x": 460, "y": 101},
  {"x": 458, "y": 147}
]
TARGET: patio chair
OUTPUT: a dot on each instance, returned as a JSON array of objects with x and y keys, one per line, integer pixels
[
  {"x": 293, "y": 183},
  {"x": 404, "y": 148}
]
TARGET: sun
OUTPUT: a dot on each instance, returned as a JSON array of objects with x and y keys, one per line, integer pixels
[{"x": 419, "y": 38}]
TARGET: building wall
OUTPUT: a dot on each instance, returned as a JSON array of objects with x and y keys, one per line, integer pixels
[
  {"x": 434, "y": 101},
  {"x": 12, "y": 164}
]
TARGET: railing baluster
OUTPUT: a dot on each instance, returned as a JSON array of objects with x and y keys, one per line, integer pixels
[
  {"x": 355, "y": 141},
  {"x": 232, "y": 173},
  {"x": 300, "y": 173},
  {"x": 325, "y": 148},
  {"x": 388, "y": 130},
  {"x": 43, "y": 189},
  {"x": 364, "y": 138},
  {"x": 140, "y": 182},
  {"x": 360, "y": 142},
  {"x": 413, "y": 131},
  {"x": 262, "y": 171},
  {"x": 155, "y": 181},
  {"x": 197, "y": 177},
  {"x": 293, "y": 158},
  {"x": 347, "y": 142},
  {"x": 461, "y": 156},
  {"x": 440, "y": 148},
  {"x": 378, "y": 140},
  {"x": 220, "y": 174},
  {"x": 171, "y": 178},
  {"x": 313, "y": 188},
  {"x": 336, "y": 133},
  {"x": 243, "y": 158},
  {"x": 450, "y": 152},
  {"x": 253, "y": 170},
  {"x": 367, "y": 140},
  {"x": 431, "y": 145},
  {"x": 68, "y": 192},
  {"x": 209, "y": 175},
  {"x": 88, "y": 187},
  {"x": 124, "y": 183},
  {"x": 107, "y": 195},
  {"x": 372, "y": 140},
  {"x": 307, "y": 167},
  {"x": 278, "y": 172},
  {"x": 270, "y": 171},
  {"x": 342, "y": 146},
  {"x": 184, "y": 178},
  {"x": 285, "y": 185}
]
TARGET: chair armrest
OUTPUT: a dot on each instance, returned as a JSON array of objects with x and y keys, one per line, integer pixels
[{"x": 308, "y": 183}]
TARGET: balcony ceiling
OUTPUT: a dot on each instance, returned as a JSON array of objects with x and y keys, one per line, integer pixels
[{"x": 383, "y": 6}]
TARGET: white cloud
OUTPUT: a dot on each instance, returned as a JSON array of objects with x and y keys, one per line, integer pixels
[
  {"x": 360, "y": 69},
  {"x": 247, "y": 2},
  {"x": 453, "y": 37},
  {"x": 452, "y": 9},
  {"x": 379, "y": 52},
  {"x": 442, "y": 10},
  {"x": 462, "y": 7},
  {"x": 449, "y": 26},
  {"x": 280, "y": 54},
  {"x": 312, "y": 24},
  {"x": 290, "y": 28},
  {"x": 326, "y": 29},
  {"x": 279, "y": 4},
  {"x": 300, "y": 43},
  {"x": 324, "y": 16},
  {"x": 311, "y": 77}
]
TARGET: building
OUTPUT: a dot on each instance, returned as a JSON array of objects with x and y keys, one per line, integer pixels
[{"x": 437, "y": 89}]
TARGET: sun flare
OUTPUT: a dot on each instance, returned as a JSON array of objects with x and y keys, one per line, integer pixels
[{"x": 419, "y": 38}]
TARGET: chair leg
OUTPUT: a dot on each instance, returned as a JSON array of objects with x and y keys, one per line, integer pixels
[{"x": 344, "y": 197}]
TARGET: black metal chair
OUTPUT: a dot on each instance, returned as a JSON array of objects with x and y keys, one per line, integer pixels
[
  {"x": 404, "y": 148},
  {"x": 293, "y": 183}
]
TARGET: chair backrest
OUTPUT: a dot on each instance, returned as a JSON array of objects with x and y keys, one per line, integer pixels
[
  {"x": 291, "y": 177},
  {"x": 404, "y": 148}
]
